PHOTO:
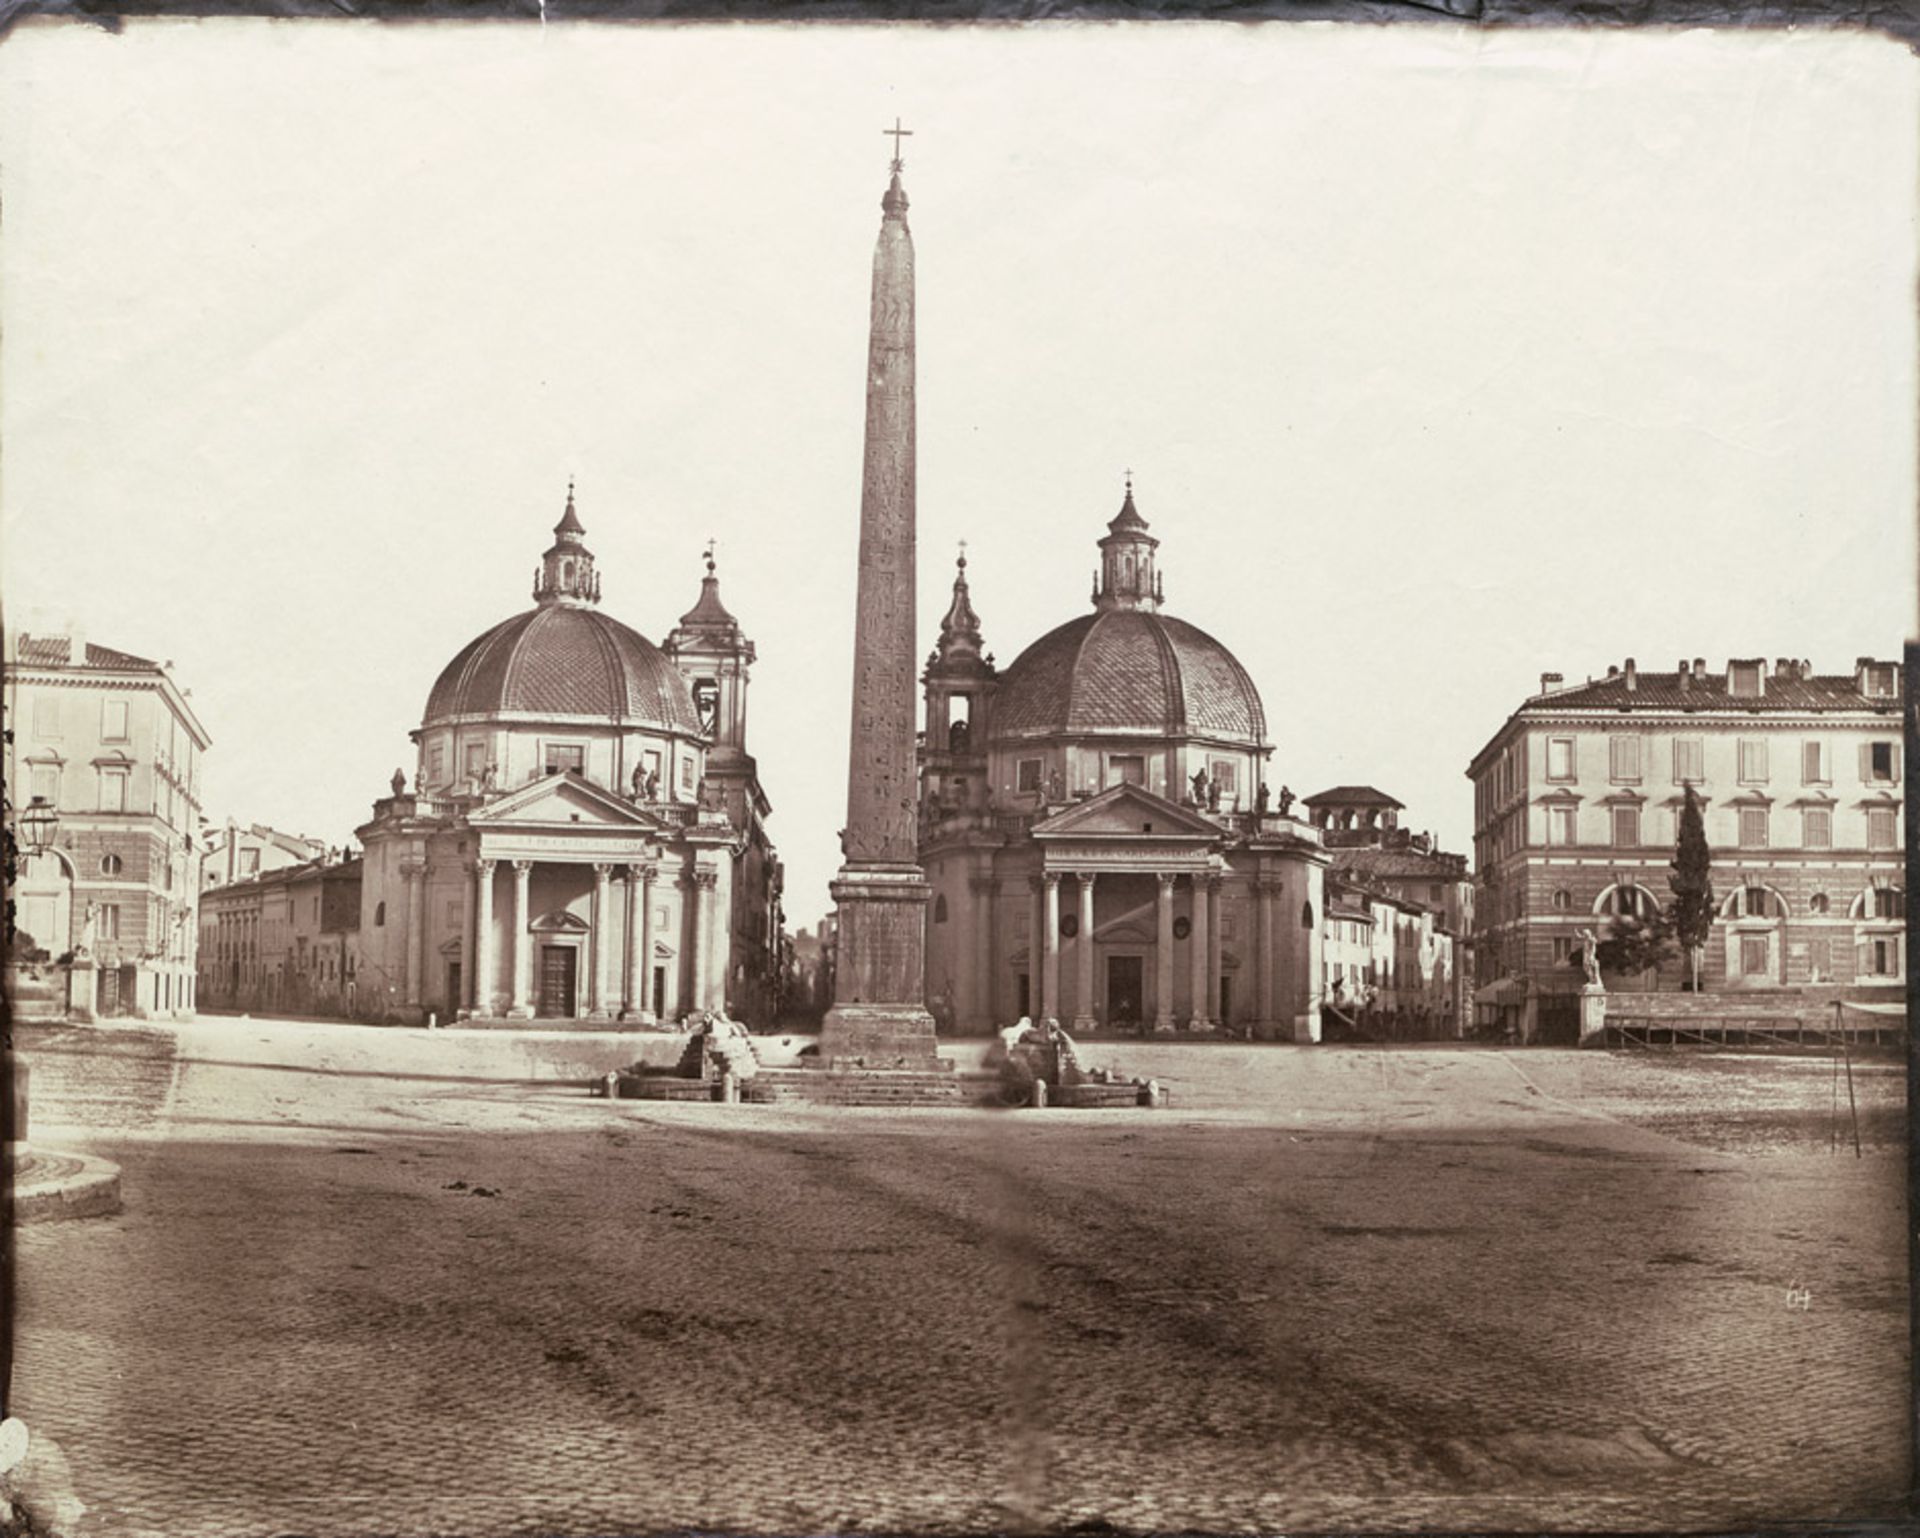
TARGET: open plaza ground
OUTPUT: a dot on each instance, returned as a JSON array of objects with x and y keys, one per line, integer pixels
[{"x": 394, "y": 1281}]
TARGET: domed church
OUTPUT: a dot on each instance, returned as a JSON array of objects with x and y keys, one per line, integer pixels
[
  {"x": 585, "y": 835},
  {"x": 1096, "y": 824}
]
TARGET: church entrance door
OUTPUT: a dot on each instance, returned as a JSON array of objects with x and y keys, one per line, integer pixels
[
  {"x": 1126, "y": 990},
  {"x": 556, "y": 981}
]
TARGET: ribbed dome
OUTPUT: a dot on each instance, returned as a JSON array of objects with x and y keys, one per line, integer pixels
[
  {"x": 564, "y": 660},
  {"x": 1135, "y": 671}
]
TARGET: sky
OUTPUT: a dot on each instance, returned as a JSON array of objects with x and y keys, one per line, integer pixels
[{"x": 1441, "y": 359}]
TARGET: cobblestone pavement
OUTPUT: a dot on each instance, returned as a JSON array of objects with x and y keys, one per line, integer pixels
[{"x": 380, "y": 1282}]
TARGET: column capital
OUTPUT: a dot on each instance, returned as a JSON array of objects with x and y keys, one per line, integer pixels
[
  {"x": 521, "y": 867},
  {"x": 1051, "y": 878},
  {"x": 705, "y": 877},
  {"x": 485, "y": 867},
  {"x": 1166, "y": 878},
  {"x": 602, "y": 869},
  {"x": 644, "y": 870}
]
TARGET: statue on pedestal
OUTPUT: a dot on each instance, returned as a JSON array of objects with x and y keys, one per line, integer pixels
[
  {"x": 1200, "y": 787},
  {"x": 1589, "y": 956},
  {"x": 1286, "y": 801},
  {"x": 399, "y": 782}
]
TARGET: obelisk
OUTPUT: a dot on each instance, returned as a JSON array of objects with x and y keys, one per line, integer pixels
[{"x": 879, "y": 1017}]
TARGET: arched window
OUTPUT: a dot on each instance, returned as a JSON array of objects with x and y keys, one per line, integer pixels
[
  {"x": 379, "y": 915},
  {"x": 1819, "y": 903},
  {"x": 1306, "y": 915},
  {"x": 1879, "y": 902},
  {"x": 1562, "y": 900},
  {"x": 1627, "y": 902},
  {"x": 940, "y": 908},
  {"x": 1754, "y": 902},
  {"x": 110, "y": 865}
]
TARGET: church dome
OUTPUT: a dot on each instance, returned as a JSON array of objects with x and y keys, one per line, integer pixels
[
  {"x": 1133, "y": 671},
  {"x": 559, "y": 661},
  {"x": 565, "y": 658},
  {"x": 1127, "y": 668}
]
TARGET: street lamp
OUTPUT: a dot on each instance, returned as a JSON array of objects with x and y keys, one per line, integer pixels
[{"x": 39, "y": 821}]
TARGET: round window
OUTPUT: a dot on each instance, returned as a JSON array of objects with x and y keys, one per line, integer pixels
[
  {"x": 1562, "y": 900},
  {"x": 110, "y": 865},
  {"x": 1069, "y": 924},
  {"x": 1182, "y": 928}
]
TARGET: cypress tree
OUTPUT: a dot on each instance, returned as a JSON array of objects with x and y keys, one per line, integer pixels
[{"x": 1692, "y": 883}]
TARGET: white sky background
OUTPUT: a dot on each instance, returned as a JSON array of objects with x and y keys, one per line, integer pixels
[{"x": 1441, "y": 359}]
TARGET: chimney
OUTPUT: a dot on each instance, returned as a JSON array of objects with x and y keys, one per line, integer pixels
[
  {"x": 1551, "y": 681},
  {"x": 1782, "y": 668},
  {"x": 1632, "y": 674},
  {"x": 1700, "y": 666}
]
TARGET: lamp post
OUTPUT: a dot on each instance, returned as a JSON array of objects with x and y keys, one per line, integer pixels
[{"x": 39, "y": 821}]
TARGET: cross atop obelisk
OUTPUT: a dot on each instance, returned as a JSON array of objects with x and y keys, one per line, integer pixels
[
  {"x": 879, "y": 1017},
  {"x": 898, "y": 133}
]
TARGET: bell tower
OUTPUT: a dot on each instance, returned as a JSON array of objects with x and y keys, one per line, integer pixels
[
  {"x": 958, "y": 684},
  {"x": 716, "y": 660}
]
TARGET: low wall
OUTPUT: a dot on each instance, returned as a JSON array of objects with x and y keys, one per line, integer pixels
[{"x": 1808, "y": 1003}]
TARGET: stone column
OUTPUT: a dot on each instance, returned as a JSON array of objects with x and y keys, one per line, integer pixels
[
  {"x": 600, "y": 947},
  {"x": 1198, "y": 1018},
  {"x": 706, "y": 882},
  {"x": 1083, "y": 958},
  {"x": 519, "y": 948},
  {"x": 643, "y": 953},
  {"x": 1163, "y": 956},
  {"x": 1213, "y": 951},
  {"x": 1263, "y": 935},
  {"x": 1036, "y": 946},
  {"x": 480, "y": 990},
  {"x": 1050, "y": 939},
  {"x": 983, "y": 959},
  {"x": 415, "y": 875}
]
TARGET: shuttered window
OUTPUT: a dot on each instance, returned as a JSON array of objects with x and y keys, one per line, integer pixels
[
  {"x": 1625, "y": 756},
  {"x": 1753, "y": 827},
  {"x": 1688, "y": 757},
  {"x": 1815, "y": 769},
  {"x": 1879, "y": 762},
  {"x": 1753, "y": 760},
  {"x": 1882, "y": 828},
  {"x": 1626, "y": 827},
  {"x": 1818, "y": 827}
]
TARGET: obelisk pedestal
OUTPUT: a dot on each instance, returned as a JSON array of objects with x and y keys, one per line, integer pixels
[{"x": 879, "y": 1017}]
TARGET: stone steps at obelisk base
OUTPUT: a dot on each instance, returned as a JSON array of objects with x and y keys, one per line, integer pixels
[{"x": 875, "y": 1086}]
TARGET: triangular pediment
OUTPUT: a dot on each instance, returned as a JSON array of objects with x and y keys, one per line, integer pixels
[
  {"x": 1128, "y": 811},
  {"x": 564, "y": 801}
]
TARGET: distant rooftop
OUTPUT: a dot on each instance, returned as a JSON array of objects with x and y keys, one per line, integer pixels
[
  {"x": 1354, "y": 795},
  {"x": 56, "y": 651}
]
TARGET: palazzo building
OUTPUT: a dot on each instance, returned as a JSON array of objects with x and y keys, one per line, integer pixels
[
  {"x": 1095, "y": 826},
  {"x": 108, "y": 742},
  {"x": 585, "y": 835},
  {"x": 1577, "y": 799}
]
